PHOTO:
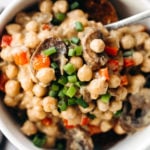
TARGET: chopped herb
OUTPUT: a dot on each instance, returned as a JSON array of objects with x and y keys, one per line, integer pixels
[
  {"x": 79, "y": 26},
  {"x": 39, "y": 140},
  {"x": 69, "y": 68},
  {"x": 71, "y": 101},
  {"x": 55, "y": 87},
  {"x": 78, "y": 50},
  {"x": 71, "y": 91},
  {"x": 91, "y": 116},
  {"x": 62, "y": 80},
  {"x": 75, "y": 40},
  {"x": 82, "y": 103},
  {"x": 118, "y": 113},
  {"x": 105, "y": 98},
  {"x": 62, "y": 105},
  {"x": 74, "y": 5},
  {"x": 71, "y": 52},
  {"x": 52, "y": 93},
  {"x": 60, "y": 16},
  {"x": 54, "y": 65},
  {"x": 49, "y": 51},
  {"x": 72, "y": 78}
]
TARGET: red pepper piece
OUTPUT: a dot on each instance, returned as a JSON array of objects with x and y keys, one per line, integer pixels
[
  {"x": 128, "y": 62},
  {"x": 6, "y": 40},
  {"x": 47, "y": 121},
  {"x": 112, "y": 51}
]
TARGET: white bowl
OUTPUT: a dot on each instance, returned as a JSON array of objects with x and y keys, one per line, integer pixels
[{"x": 138, "y": 141}]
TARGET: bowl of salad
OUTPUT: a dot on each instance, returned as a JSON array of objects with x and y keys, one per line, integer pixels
[{"x": 69, "y": 83}]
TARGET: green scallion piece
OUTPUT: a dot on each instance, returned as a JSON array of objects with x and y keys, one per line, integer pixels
[
  {"x": 78, "y": 84},
  {"x": 75, "y": 40},
  {"x": 74, "y": 5},
  {"x": 49, "y": 51},
  {"x": 128, "y": 53},
  {"x": 71, "y": 91},
  {"x": 60, "y": 16},
  {"x": 55, "y": 87},
  {"x": 52, "y": 93},
  {"x": 78, "y": 26},
  {"x": 69, "y": 68},
  {"x": 67, "y": 42},
  {"x": 118, "y": 113},
  {"x": 82, "y": 103},
  {"x": 62, "y": 80},
  {"x": 71, "y": 52},
  {"x": 105, "y": 98},
  {"x": 91, "y": 116},
  {"x": 72, "y": 101},
  {"x": 61, "y": 94},
  {"x": 65, "y": 90},
  {"x": 78, "y": 50},
  {"x": 39, "y": 140},
  {"x": 72, "y": 78},
  {"x": 62, "y": 105},
  {"x": 54, "y": 65}
]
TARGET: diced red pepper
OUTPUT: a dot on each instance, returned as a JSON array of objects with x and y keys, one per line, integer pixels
[
  {"x": 112, "y": 51},
  {"x": 67, "y": 125},
  {"x": 40, "y": 61},
  {"x": 94, "y": 129},
  {"x": 21, "y": 58},
  {"x": 3, "y": 80},
  {"x": 47, "y": 121},
  {"x": 129, "y": 62},
  {"x": 46, "y": 27},
  {"x": 124, "y": 80},
  {"x": 85, "y": 120},
  {"x": 6, "y": 40},
  {"x": 104, "y": 73},
  {"x": 113, "y": 64}
]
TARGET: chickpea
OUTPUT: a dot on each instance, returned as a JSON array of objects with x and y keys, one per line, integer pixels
[
  {"x": 97, "y": 45},
  {"x": 13, "y": 28},
  {"x": 45, "y": 6},
  {"x": 97, "y": 87},
  {"x": 26, "y": 84},
  {"x": 145, "y": 65},
  {"x": 147, "y": 44},
  {"x": 31, "y": 39},
  {"x": 76, "y": 61},
  {"x": 44, "y": 35},
  {"x": 107, "y": 115},
  {"x": 85, "y": 73},
  {"x": 121, "y": 93},
  {"x": 127, "y": 41},
  {"x": 6, "y": 54},
  {"x": 70, "y": 113},
  {"x": 102, "y": 106},
  {"x": 137, "y": 28},
  {"x": 9, "y": 101},
  {"x": 105, "y": 126},
  {"x": 18, "y": 39},
  {"x": 11, "y": 71},
  {"x": 118, "y": 129},
  {"x": 115, "y": 106},
  {"x": 88, "y": 109},
  {"x": 29, "y": 128},
  {"x": 32, "y": 26},
  {"x": 45, "y": 75},
  {"x": 114, "y": 81},
  {"x": 49, "y": 104},
  {"x": 140, "y": 38},
  {"x": 95, "y": 121},
  {"x": 138, "y": 58},
  {"x": 12, "y": 88},
  {"x": 60, "y": 6},
  {"x": 39, "y": 90}
]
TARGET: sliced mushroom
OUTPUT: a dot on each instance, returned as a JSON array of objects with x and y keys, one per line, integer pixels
[
  {"x": 94, "y": 60},
  {"x": 136, "y": 111},
  {"x": 59, "y": 57},
  {"x": 79, "y": 139}
]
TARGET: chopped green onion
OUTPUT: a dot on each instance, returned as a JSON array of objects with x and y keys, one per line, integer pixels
[
  {"x": 49, "y": 51},
  {"x": 62, "y": 105},
  {"x": 71, "y": 52},
  {"x": 79, "y": 26},
  {"x": 62, "y": 80},
  {"x": 91, "y": 116},
  {"x": 74, "y": 5},
  {"x": 52, "y": 93},
  {"x": 67, "y": 42},
  {"x": 75, "y": 40},
  {"x": 55, "y": 87},
  {"x": 82, "y": 103},
  {"x": 65, "y": 90},
  {"x": 39, "y": 140},
  {"x": 78, "y": 50},
  {"x": 71, "y": 101},
  {"x": 71, "y": 91},
  {"x": 69, "y": 68},
  {"x": 78, "y": 84},
  {"x": 105, "y": 98},
  {"x": 61, "y": 94},
  {"x": 60, "y": 144},
  {"x": 128, "y": 53},
  {"x": 118, "y": 113},
  {"x": 72, "y": 78},
  {"x": 54, "y": 65},
  {"x": 60, "y": 16}
]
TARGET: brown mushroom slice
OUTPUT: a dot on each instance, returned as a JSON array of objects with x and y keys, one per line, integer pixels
[
  {"x": 58, "y": 57},
  {"x": 136, "y": 111},
  {"x": 79, "y": 139},
  {"x": 94, "y": 60},
  {"x": 100, "y": 10}
]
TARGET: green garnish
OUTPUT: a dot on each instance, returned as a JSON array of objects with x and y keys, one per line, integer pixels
[
  {"x": 54, "y": 65},
  {"x": 69, "y": 68},
  {"x": 55, "y": 87},
  {"x": 71, "y": 91},
  {"x": 71, "y": 52},
  {"x": 128, "y": 53},
  {"x": 91, "y": 116},
  {"x": 72, "y": 78},
  {"x": 62, "y": 80},
  {"x": 74, "y": 5},
  {"x": 75, "y": 40},
  {"x": 71, "y": 101},
  {"x": 105, "y": 98},
  {"x": 39, "y": 140},
  {"x": 118, "y": 113},
  {"x": 78, "y": 50},
  {"x": 60, "y": 16},
  {"x": 49, "y": 51},
  {"x": 62, "y": 105},
  {"x": 82, "y": 103},
  {"x": 78, "y": 26},
  {"x": 52, "y": 93}
]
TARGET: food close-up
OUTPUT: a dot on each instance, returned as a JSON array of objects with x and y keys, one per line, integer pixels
[{"x": 68, "y": 81}]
